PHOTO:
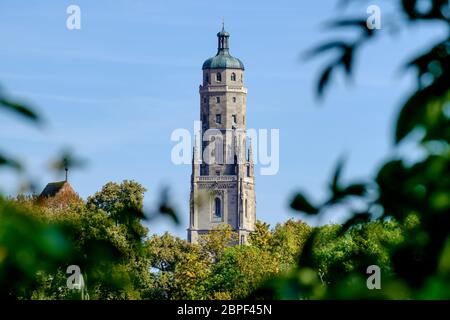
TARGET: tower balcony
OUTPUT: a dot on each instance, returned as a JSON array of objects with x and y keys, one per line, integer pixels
[
  {"x": 222, "y": 88},
  {"x": 215, "y": 178}
]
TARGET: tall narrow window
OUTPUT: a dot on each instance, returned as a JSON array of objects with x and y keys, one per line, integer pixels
[
  {"x": 218, "y": 118},
  {"x": 219, "y": 77},
  {"x": 218, "y": 99},
  {"x": 204, "y": 100},
  {"x": 233, "y": 118},
  {"x": 233, "y": 76},
  {"x": 234, "y": 99},
  {"x": 217, "y": 208},
  {"x": 207, "y": 78},
  {"x": 246, "y": 209},
  {"x": 213, "y": 149}
]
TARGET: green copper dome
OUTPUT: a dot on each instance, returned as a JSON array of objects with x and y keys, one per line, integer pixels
[
  {"x": 223, "y": 59},
  {"x": 223, "y": 33}
]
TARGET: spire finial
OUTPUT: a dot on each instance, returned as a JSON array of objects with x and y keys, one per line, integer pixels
[
  {"x": 223, "y": 39},
  {"x": 66, "y": 168}
]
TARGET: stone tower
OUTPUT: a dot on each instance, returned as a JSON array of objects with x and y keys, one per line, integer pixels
[{"x": 222, "y": 180}]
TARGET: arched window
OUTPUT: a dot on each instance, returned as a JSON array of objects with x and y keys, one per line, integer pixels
[
  {"x": 207, "y": 78},
  {"x": 233, "y": 76},
  {"x": 217, "y": 208},
  {"x": 218, "y": 76}
]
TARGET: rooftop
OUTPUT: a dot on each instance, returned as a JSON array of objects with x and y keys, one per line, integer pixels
[{"x": 223, "y": 59}]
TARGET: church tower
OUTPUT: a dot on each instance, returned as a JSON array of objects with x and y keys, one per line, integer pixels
[{"x": 222, "y": 180}]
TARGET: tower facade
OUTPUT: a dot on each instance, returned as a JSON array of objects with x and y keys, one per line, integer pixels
[{"x": 222, "y": 180}]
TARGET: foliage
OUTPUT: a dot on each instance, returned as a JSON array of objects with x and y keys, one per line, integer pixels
[
  {"x": 212, "y": 269},
  {"x": 28, "y": 244},
  {"x": 180, "y": 268},
  {"x": 240, "y": 271},
  {"x": 62, "y": 201},
  {"x": 401, "y": 189},
  {"x": 26, "y": 112},
  {"x": 215, "y": 242},
  {"x": 113, "y": 261},
  {"x": 403, "y": 227},
  {"x": 122, "y": 202},
  {"x": 365, "y": 245},
  {"x": 41, "y": 237},
  {"x": 117, "y": 266}
]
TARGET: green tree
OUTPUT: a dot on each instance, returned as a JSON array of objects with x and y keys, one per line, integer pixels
[
  {"x": 219, "y": 238},
  {"x": 180, "y": 268},
  {"x": 114, "y": 264},
  {"x": 262, "y": 236},
  {"x": 335, "y": 256},
  {"x": 123, "y": 203},
  {"x": 240, "y": 271},
  {"x": 288, "y": 241},
  {"x": 28, "y": 245}
]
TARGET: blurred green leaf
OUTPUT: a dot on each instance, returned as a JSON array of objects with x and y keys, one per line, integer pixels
[
  {"x": 302, "y": 204},
  {"x": 10, "y": 163},
  {"x": 166, "y": 209},
  {"x": 358, "y": 23},
  {"x": 357, "y": 189},
  {"x": 340, "y": 45},
  {"x": 324, "y": 80},
  {"x": 20, "y": 109},
  {"x": 334, "y": 186},
  {"x": 67, "y": 160}
]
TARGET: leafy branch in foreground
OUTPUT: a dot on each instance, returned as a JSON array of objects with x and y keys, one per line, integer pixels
[
  {"x": 401, "y": 190},
  {"x": 22, "y": 110}
]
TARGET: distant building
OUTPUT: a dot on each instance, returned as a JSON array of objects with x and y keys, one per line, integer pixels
[
  {"x": 222, "y": 181},
  {"x": 54, "y": 189},
  {"x": 58, "y": 195}
]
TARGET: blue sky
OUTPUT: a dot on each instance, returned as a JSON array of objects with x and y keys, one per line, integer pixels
[{"x": 115, "y": 90}]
